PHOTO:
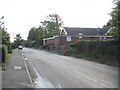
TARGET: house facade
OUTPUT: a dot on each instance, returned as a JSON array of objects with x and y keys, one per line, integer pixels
[{"x": 70, "y": 35}]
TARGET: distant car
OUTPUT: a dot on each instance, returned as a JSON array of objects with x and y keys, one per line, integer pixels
[{"x": 20, "y": 47}]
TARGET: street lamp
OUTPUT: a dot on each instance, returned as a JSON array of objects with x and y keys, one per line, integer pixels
[
  {"x": 1, "y": 21},
  {"x": 2, "y": 17},
  {"x": 1, "y": 24}
]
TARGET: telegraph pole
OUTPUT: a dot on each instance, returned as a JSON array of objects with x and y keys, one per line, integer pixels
[
  {"x": 57, "y": 23},
  {"x": 1, "y": 23},
  {"x": 59, "y": 39}
]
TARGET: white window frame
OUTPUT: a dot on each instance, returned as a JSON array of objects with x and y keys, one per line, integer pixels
[
  {"x": 68, "y": 38},
  {"x": 104, "y": 38},
  {"x": 100, "y": 37},
  {"x": 80, "y": 36}
]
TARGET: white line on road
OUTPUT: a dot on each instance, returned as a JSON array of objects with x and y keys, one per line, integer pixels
[{"x": 41, "y": 83}]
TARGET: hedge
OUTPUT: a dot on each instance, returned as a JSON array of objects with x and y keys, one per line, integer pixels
[
  {"x": 3, "y": 53},
  {"x": 0, "y": 55},
  {"x": 104, "y": 49}
]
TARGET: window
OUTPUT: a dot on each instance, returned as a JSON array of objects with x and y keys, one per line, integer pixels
[
  {"x": 104, "y": 37},
  {"x": 100, "y": 37},
  {"x": 80, "y": 36},
  {"x": 68, "y": 38}
]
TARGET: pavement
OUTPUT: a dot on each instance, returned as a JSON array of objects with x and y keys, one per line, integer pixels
[
  {"x": 58, "y": 71},
  {"x": 15, "y": 76}
]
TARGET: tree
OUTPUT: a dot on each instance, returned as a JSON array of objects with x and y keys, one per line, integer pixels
[
  {"x": 52, "y": 25},
  {"x": 31, "y": 35},
  {"x": 39, "y": 36},
  {"x": 18, "y": 40},
  {"x": 5, "y": 37},
  {"x": 114, "y": 23}
]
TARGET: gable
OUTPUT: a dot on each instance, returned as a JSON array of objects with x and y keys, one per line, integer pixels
[{"x": 63, "y": 32}]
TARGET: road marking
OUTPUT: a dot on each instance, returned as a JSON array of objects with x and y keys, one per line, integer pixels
[
  {"x": 26, "y": 59},
  {"x": 17, "y": 68},
  {"x": 40, "y": 82}
]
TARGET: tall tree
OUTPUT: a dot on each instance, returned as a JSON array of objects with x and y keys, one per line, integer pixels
[
  {"x": 32, "y": 34},
  {"x": 39, "y": 36},
  {"x": 114, "y": 23},
  {"x": 18, "y": 40},
  {"x": 5, "y": 37},
  {"x": 52, "y": 25}
]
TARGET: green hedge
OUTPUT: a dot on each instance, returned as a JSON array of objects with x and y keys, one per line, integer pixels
[
  {"x": 104, "y": 49},
  {"x": 4, "y": 52},
  {"x": 0, "y": 55}
]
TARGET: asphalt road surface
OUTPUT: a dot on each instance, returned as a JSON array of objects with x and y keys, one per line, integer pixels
[{"x": 68, "y": 72}]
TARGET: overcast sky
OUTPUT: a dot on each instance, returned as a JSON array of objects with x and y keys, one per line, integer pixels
[{"x": 21, "y": 15}]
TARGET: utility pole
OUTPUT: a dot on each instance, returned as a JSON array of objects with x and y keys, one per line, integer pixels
[
  {"x": 57, "y": 23},
  {"x": 1, "y": 23},
  {"x": 59, "y": 39}
]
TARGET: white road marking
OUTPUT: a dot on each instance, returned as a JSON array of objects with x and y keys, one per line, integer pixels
[
  {"x": 25, "y": 58},
  {"x": 40, "y": 82},
  {"x": 17, "y": 68}
]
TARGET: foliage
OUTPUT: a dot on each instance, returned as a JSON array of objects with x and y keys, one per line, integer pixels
[
  {"x": 32, "y": 34},
  {"x": 18, "y": 40},
  {"x": 114, "y": 23},
  {"x": 105, "y": 49},
  {"x": 4, "y": 52},
  {"x": 5, "y": 37},
  {"x": 35, "y": 37},
  {"x": 50, "y": 27}
]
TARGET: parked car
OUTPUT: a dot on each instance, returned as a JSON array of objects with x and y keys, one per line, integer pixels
[{"x": 20, "y": 47}]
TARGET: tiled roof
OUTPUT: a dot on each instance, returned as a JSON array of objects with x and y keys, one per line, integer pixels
[{"x": 85, "y": 31}]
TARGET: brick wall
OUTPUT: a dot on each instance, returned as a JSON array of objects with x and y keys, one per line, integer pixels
[{"x": 62, "y": 43}]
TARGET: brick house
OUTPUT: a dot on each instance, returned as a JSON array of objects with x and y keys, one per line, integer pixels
[{"x": 70, "y": 35}]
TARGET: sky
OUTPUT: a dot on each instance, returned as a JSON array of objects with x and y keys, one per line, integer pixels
[{"x": 21, "y": 15}]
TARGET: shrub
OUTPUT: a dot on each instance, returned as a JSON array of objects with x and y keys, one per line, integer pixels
[
  {"x": 4, "y": 53},
  {"x": 104, "y": 49},
  {"x": 0, "y": 55}
]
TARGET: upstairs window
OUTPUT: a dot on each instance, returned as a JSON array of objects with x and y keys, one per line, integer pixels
[{"x": 80, "y": 34}]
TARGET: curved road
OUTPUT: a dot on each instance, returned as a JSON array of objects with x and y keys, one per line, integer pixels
[{"x": 68, "y": 72}]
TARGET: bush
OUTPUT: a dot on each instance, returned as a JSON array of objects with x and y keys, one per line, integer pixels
[
  {"x": 106, "y": 50},
  {"x": 0, "y": 55},
  {"x": 4, "y": 53},
  {"x": 97, "y": 48}
]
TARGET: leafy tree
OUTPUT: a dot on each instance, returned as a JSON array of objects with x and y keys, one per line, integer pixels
[
  {"x": 52, "y": 25},
  {"x": 114, "y": 23},
  {"x": 39, "y": 36},
  {"x": 5, "y": 37},
  {"x": 18, "y": 40},
  {"x": 32, "y": 34}
]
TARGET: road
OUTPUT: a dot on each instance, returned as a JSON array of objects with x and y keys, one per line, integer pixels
[{"x": 69, "y": 72}]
